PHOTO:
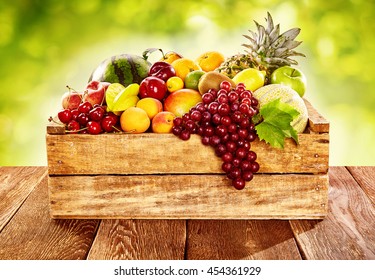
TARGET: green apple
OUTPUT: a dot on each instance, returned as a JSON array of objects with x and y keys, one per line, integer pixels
[{"x": 291, "y": 77}]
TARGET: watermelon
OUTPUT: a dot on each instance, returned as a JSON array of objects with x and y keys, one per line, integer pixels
[{"x": 125, "y": 69}]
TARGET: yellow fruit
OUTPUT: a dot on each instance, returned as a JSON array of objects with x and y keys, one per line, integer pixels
[
  {"x": 134, "y": 120},
  {"x": 286, "y": 94},
  {"x": 152, "y": 106},
  {"x": 175, "y": 83},
  {"x": 170, "y": 57},
  {"x": 184, "y": 66},
  {"x": 211, "y": 60},
  {"x": 251, "y": 78}
]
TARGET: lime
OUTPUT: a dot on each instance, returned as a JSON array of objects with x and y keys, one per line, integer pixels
[{"x": 192, "y": 79}]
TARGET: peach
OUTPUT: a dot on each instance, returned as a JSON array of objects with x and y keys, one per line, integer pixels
[
  {"x": 163, "y": 122},
  {"x": 181, "y": 101},
  {"x": 71, "y": 100},
  {"x": 95, "y": 92},
  {"x": 134, "y": 120},
  {"x": 152, "y": 106}
]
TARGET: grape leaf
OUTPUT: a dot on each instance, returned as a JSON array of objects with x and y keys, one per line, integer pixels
[{"x": 276, "y": 125}]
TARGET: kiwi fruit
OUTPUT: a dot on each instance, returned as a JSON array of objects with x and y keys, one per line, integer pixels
[{"x": 212, "y": 79}]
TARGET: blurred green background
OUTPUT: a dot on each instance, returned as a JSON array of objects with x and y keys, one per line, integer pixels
[{"x": 46, "y": 45}]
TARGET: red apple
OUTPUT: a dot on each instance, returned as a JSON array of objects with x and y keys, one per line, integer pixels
[
  {"x": 162, "y": 70},
  {"x": 163, "y": 122},
  {"x": 152, "y": 87},
  {"x": 181, "y": 101},
  {"x": 95, "y": 92},
  {"x": 71, "y": 100}
]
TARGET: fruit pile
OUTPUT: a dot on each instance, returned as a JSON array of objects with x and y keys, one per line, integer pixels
[
  {"x": 224, "y": 121},
  {"x": 228, "y": 102}
]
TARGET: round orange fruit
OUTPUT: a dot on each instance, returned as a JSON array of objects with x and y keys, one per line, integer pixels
[
  {"x": 210, "y": 60},
  {"x": 184, "y": 66},
  {"x": 134, "y": 120},
  {"x": 170, "y": 57},
  {"x": 152, "y": 106}
]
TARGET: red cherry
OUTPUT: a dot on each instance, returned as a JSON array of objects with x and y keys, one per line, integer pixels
[
  {"x": 65, "y": 116},
  {"x": 85, "y": 107},
  {"x": 96, "y": 114},
  {"x": 94, "y": 127},
  {"x": 73, "y": 126},
  {"x": 108, "y": 123}
]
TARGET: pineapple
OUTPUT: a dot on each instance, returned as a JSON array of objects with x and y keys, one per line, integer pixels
[{"x": 266, "y": 50}]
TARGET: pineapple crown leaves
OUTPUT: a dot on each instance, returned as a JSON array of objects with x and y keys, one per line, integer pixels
[{"x": 268, "y": 46}]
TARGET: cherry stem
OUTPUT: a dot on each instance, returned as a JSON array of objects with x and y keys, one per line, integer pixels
[
  {"x": 50, "y": 119},
  {"x": 75, "y": 131}
]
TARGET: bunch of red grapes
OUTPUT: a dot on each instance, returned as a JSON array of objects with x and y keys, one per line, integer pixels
[
  {"x": 224, "y": 121},
  {"x": 88, "y": 119}
]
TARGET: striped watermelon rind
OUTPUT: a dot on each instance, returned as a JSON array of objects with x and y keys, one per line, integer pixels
[{"x": 125, "y": 69}]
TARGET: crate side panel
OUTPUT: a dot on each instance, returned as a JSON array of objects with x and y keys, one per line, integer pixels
[
  {"x": 317, "y": 123},
  {"x": 152, "y": 153},
  {"x": 188, "y": 197}
]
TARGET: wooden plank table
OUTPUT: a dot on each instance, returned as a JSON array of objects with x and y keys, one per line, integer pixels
[{"x": 28, "y": 232}]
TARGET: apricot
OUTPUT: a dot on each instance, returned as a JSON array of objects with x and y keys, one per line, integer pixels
[
  {"x": 152, "y": 106},
  {"x": 163, "y": 122},
  {"x": 134, "y": 120}
]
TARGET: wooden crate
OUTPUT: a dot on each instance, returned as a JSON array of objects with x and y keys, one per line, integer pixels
[{"x": 158, "y": 176}]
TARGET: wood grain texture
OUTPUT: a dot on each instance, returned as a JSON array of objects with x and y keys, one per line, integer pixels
[
  {"x": 139, "y": 240},
  {"x": 16, "y": 183},
  {"x": 317, "y": 123},
  {"x": 348, "y": 230},
  {"x": 188, "y": 197},
  {"x": 240, "y": 239},
  {"x": 32, "y": 234},
  {"x": 152, "y": 153},
  {"x": 365, "y": 176}
]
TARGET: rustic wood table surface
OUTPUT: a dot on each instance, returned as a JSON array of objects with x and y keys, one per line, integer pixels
[{"x": 28, "y": 232}]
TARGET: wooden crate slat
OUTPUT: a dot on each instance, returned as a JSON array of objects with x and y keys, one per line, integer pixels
[
  {"x": 139, "y": 240},
  {"x": 317, "y": 123},
  {"x": 289, "y": 196},
  {"x": 152, "y": 153},
  {"x": 240, "y": 239}
]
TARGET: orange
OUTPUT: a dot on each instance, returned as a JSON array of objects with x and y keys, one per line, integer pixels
[
  {"x": 210, "y": 60},
  {"x": 152, "y": 106},
  {"x": 134, "y": 120},
  {"x": 184, "y": 66},
  {"x": 175, "y": 83},
  {"x": 170, "y": 57}
]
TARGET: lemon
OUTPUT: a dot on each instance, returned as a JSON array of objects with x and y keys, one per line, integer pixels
[
  {"x": 251, "y": 78},
  {"x": 174, "y": 83}
]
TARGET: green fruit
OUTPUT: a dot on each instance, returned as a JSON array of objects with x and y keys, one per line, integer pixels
[
  {"x": 125, "y": 69},
  {"x": 287, "y": 95},
  {"x": 192, "y": 79}
]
